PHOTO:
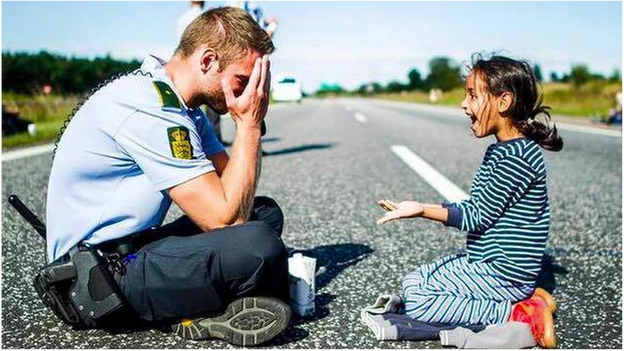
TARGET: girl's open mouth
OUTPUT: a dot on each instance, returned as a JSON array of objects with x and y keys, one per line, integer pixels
[{"x": 473, "y": 121}]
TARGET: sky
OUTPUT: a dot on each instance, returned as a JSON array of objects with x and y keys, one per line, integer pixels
[{"x": 349, "y": 43}]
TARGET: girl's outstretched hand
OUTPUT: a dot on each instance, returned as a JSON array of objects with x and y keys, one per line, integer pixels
[{"x": 405, "y": 209}]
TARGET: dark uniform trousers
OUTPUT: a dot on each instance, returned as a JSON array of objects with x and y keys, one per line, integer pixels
[{"x": 184, "y": 272}]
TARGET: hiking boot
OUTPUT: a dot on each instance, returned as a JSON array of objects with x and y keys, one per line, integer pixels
[
  {"x": 537, "y": 314},
  {"x": 247, "y": 321}
]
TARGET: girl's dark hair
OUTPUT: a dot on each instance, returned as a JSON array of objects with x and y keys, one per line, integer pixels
[{"x": 502, "y": 74}]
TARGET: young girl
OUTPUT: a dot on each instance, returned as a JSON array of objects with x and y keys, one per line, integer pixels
[{"x": 507, "y": 216}]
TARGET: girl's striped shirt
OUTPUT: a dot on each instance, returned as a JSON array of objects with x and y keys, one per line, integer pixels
[{"x": 508, "y": 215}]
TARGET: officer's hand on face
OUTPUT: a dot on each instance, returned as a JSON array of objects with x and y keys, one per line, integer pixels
[{"x": 249, "y": 109}]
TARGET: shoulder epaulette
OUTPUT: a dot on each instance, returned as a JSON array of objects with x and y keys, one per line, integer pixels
[{"x": 168, "y": 97}]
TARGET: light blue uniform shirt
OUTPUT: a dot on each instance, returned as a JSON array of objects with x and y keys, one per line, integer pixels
[{"x": 118, "y": 157}]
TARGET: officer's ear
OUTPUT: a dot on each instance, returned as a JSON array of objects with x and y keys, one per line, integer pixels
[{"x": 209, "y": 60}]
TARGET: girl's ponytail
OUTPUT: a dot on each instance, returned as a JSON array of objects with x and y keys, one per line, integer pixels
[{"x": 537, "y": 127}]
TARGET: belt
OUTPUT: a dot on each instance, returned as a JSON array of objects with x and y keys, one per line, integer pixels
[{"x": 127, "y": 245}]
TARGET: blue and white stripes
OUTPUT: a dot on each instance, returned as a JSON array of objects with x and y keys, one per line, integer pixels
[
  {"x": 455, "y": 291},
  {"x": 507, "y": 219},
  {"x": 508, "y": 215}
]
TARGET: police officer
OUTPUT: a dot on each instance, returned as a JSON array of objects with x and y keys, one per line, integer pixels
[{"x": 140, "y": 143}]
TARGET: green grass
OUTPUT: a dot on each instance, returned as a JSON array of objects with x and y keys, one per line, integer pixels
[
  {"x": 46, "y": 132},
  {"x": 39, "y": 108},
  {"x": 47, "y": 112},
  {"x": 591, "y": 99}
]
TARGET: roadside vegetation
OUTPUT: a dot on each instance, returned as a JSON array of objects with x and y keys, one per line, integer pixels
[
  {"x": 579, "y": 93},
  {"x": 43, "y": 89},
  {"x": 47, "y": 112},
  {"x": 592, "y": 99}
]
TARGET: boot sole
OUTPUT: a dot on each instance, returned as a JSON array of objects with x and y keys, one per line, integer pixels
[{"x": 247, "y": 321}]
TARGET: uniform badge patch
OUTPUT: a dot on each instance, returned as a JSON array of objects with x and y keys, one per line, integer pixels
[{"x": 180, "y": 142}]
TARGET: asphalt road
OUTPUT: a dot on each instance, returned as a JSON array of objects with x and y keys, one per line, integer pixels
[{"x": 326, "y": 168}]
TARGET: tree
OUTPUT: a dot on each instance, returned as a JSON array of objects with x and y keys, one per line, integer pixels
[
  {"x": 579, "y": 75},
  {"x": 395, "y": 87},
  {"x": 443, "y": 74},
  {"x": 597, "y": 76},
  {"x": 369, "y": 88},
  {"x": 330, "y": 89},
  {"x": 565, "y": 78},
  {"x": 616, "y": 76},
  {"x": 538, "y": 73},
  {"x": 27, "y": 73},
  {"x": 377, "y": 88},
  {"x": 414, "y": 79},
  {"x": 363, "y": 89},
  {"x": 554, "y": 77}
]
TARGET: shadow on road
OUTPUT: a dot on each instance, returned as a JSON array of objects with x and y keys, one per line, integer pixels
[
  {"x": 546, "y": 278},
  {"x": 301, "y": 148},
  {"x": 331, "y": 260},
  {"x": 270, "y": 140}
]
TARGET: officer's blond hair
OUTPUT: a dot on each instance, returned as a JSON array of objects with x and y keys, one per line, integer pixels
[{"x": 230, "y": 31}]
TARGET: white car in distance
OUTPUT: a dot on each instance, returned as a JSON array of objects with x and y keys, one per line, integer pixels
[{"x": 287, "y": 88}]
